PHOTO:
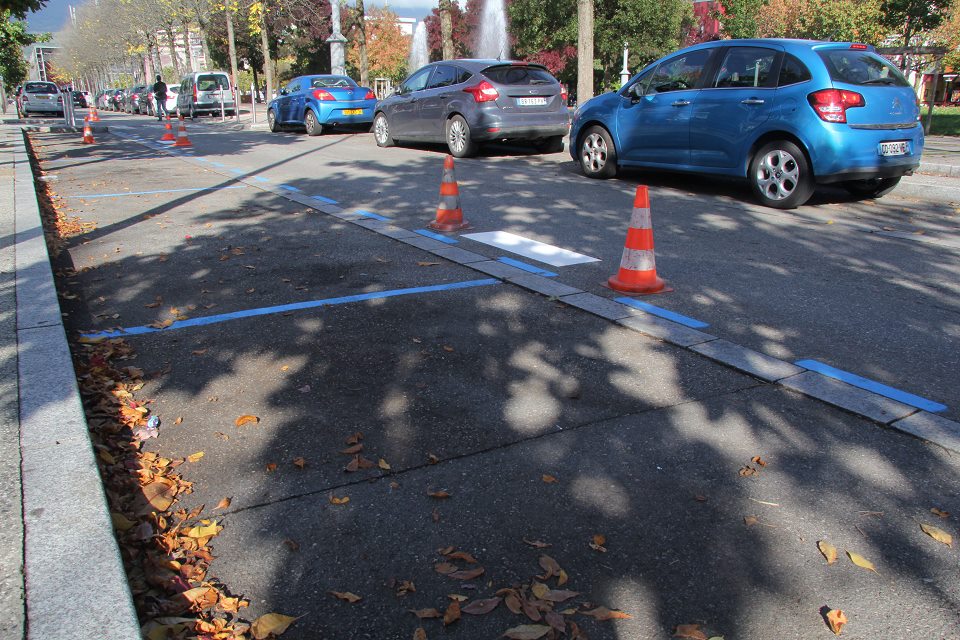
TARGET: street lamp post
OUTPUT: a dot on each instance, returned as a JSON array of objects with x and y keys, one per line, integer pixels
[
  {"x": 624, "y": 73},
  {"x": 336, "y": 40}
]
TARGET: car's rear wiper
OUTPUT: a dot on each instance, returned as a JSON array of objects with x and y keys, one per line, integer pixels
[{"x": 880, "y": 81}]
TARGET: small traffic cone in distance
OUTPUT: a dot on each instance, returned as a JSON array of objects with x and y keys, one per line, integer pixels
[
  {"x": 168, "y": 134},
  {"x": 638, "y": 266},
  {"x": 93, "y": 114},
  {"x": 449, "y": 213},
  {"x": 87, "y": 132},
  {"x": 182, "y": 139}
]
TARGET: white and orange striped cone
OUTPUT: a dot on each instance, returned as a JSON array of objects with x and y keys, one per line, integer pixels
[
  {"x": 182, "y": 139},
  {"x": 449, "y": 213},
  {"x": 168, "y": 134},
  {"x": 638, "y": 266},
  {"x": 93, "y": 114},
  {"x": 87, "y": 132}
]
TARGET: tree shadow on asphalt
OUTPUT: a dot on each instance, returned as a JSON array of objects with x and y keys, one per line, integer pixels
[{"x": 503, "y": 386}]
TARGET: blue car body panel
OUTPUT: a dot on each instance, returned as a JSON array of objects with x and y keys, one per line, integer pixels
[
  {"x": 291, "y": 108},
  {"x": 715, "y": 129}
]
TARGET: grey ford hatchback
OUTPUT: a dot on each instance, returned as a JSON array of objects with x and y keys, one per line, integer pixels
[{"x": 467, "y": 102}]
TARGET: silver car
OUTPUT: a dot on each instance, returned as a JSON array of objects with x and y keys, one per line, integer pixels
[
  {"x": 467, "y": 102},
  {"x": 40, "y": 97}
]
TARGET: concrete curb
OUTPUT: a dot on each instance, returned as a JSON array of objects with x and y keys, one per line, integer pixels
[
  {"x": 938, "y": 169},
  {"x": 75, "y": 583}
]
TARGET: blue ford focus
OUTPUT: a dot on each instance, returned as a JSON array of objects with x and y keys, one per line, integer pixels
[
  {"x": 784, "y": 114},
  {"x": 316, "y": 102}
]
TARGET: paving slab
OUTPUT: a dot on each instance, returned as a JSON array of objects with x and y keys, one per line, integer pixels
[{"x": 845, "y": 396}]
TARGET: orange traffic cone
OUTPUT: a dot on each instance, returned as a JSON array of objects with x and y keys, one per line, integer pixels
[
  {"x": 638, "y": 267},
  {"x": 168, "y": 135},
  {"x": 449, "y": 214},
  {"x": 87, "y": 132},
  {"x": 93, "y": 114},
  {"x": 182, "y": 139}
]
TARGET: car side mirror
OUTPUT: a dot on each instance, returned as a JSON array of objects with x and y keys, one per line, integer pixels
[
  {"x": 283, "y": 92},
  {"x": 636, "y": 92}
]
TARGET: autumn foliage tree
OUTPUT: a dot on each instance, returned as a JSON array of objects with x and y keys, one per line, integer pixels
[{"x": 387, "y": 47}]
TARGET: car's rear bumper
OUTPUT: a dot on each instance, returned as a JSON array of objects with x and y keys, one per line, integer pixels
[
  {"x": 846, "y": 153},
  {"x": 337, "y": 115},
  {"x": 492, "y": 125}
]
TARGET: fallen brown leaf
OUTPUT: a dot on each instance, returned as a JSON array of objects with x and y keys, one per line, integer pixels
[
  {"x": 420, "y": 634},
  {"x": 937, "y": 534},
  {"x": 440, "y": 495},
  {"x": 345, "y": 595},
  {"x": 452, "y": 614},
  {"x": 548, "y": 478},
  {"x": 602, "y": 613},
  {"x": 300, "y": 462},
  {"x": 466, "y": 574},
  {"x": 828, "y": 550},
  {"x": 550, "y": 566},
  {"x": 426, "y": 613},
  {"x": 690, "y": 631},
  {"x": 940, "y": 513},
  {"x": 245, "y": 419},
  {"x": 270, "y": 624},
  {"x": 836, "y": 619},
  {"x": 527, "y": 632},
  {"x": 860, "y": 561},
  {"x": 335, "y": 500},
  {"x": 481, "y": 607}
]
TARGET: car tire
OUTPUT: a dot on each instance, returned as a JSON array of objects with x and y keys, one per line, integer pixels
[
  {"x": 272, "y": 121},
  {"x": 780, "y": 175},
  {"x": 314, "y": 128},
  {"x": 871, "y": 188},
  {"x": 597, "y": 154},
  {"x": 381, "y": 131},
  {"x": 553, "y": 144},
  {"x": 458, "y": 138}
]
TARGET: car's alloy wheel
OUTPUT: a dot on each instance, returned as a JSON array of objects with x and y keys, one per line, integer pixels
[
  {"x": 598, "y": 156},
  {"x": 314, "y": 128},
  {"x": 458, "y": 138},
  {"x": 780, "y": 175},
  {"x": 381, "y": 131},
  {"x": 272, "y": 120}
]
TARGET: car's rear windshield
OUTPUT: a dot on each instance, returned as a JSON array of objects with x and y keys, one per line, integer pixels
[
  {"x": 41, "y": 87},
  {"x": 861, "y": 68},
  {"x": 337, "y": 82},
  {"x": 519, "y": 75},
  {"x": 212, "y": 83}
]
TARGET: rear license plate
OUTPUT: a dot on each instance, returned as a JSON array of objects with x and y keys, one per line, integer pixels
[
  {"x": 531, "y": 102},
  {"x": 898, "y": 148},
  {"x": 352, "y": 112}
]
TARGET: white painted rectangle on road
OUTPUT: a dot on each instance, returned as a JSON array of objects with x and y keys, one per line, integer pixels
[{"x": 539, "y": 251}]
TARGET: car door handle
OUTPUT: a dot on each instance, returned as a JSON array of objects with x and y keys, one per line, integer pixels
[
  {"x": 752, "y": 101},
  {"x": 680, "y": 103}
]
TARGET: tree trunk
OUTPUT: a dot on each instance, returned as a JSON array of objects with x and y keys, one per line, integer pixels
[
  {"x": 446, "y": 30},
  {"x": 232, "y": 44},
  {"x": 362, "y": 41},
  {"x": 186, "y": 45},
  {"x": 267, "y": 61},
  {"x": 173, "y": 51},
  {"x": 584, "y": 50}
]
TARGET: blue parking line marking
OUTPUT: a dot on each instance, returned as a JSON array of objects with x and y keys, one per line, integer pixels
[
  {"x": 261, "y": 179},
  {"x": 289, "y": 188},
  {"x": 663, "y": 313},
  {"x": 435, "y": 236},
  {"x": 368, "y": 214},
  {"x": 871, "y": 385},
  {"x": 147, "y": 193},
  {"x": 296, "y": 306},
  {"x": 526, "y": 267},
  {"x": 239, "y": 172},
  {"x": 217, "y": 164},
  {"x": 324, "y": 199}
]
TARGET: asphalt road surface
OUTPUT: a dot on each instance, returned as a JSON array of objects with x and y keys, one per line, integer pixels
[{"x": 542, "y": 422}]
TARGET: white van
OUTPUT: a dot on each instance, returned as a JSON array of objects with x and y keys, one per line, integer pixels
[{"x": 202, "y": 91}]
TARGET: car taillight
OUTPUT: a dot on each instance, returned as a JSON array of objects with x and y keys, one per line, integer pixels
[
  {"x": 370, "y": 96},
  {"x": 563, "y": 94},
  {"x": 858, "y": 46},
  {"x": 323, "y": 94},
  {"x": 832, "y": 104},
  {"x": 483, "y": 92},
  {"x": 194, "y": 93}
]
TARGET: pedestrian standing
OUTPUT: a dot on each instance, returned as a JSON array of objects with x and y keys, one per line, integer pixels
[{"x": 160, "y": 97}]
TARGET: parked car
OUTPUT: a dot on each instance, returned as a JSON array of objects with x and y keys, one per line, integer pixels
[
  {"x": 40, "y": 97},
  {"x": 172, "y": 93},
  {"x": 467, "y": 102},
  {"x": 101, "y": 99},
  {"x": 79, "y": 100},
  {"x": 784, "y": 114},
  {"x": 116, "y": 98},
  {"x": 315, "y": 102},
  {"x": 131, "y": 98},
  {"x": 201, "y": 92}
]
